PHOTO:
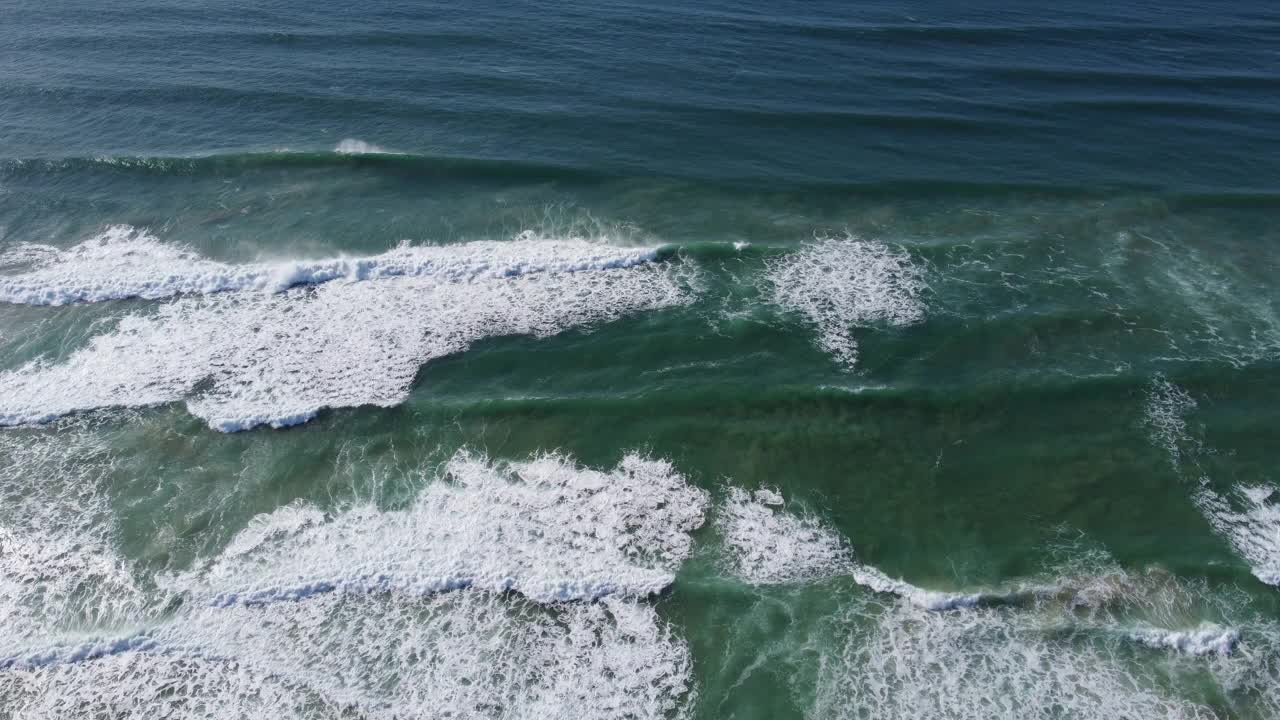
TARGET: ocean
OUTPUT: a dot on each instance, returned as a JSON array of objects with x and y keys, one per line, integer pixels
[{"x": 639, "y": 359}]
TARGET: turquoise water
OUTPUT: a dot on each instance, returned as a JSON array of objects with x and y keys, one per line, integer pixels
[{"x": 906, "y": 360}]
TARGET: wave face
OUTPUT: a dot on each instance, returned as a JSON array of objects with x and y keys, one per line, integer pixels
[
  {"x": 839, "y": 284},
  {"x": 415, "y": 617},
  {"x": 246, "y": 359}
]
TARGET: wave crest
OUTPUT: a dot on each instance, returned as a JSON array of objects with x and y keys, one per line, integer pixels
[{"x": 245, "y": 359}]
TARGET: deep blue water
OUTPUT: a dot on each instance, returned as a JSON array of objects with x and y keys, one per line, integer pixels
[{"x": 1169, "y": 95}]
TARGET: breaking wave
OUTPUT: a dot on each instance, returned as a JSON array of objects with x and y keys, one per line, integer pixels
[
  {"x": 244, "y": 359},
  {"x": 416, "y": 617},
  {"x": 544, "y": 528},
  {"x": 125, "y": 262}
]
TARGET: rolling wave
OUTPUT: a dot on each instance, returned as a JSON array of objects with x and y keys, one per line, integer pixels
[
  {"x": 125, "y": 262},
  {"x": 579, "y": 549},
  {"x": 244, "y": 359},
  {"x": 356, "y": 154}
]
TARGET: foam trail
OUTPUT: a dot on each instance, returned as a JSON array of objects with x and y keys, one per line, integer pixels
[
  {"x": 124, "y": 262},
  {"x": 1166, "y": 410},
  {"x": 355, "y": 146},
  {"x": 59, "y": 567},
  {"x": 245, "y": 642},
  {"x": 545, "y": 528},
  {"x": 1251, "y": 524},
  {"x": 911, "y": 663},
  {"x": 764, "y": 545},
  {"x": 379, "y": 656},
  {"x": 839, "y": 284},
  {"x": 1248, "y": 517},
  {"x": 248, "y": 359},
  {"x": 1206, "y": 639}
]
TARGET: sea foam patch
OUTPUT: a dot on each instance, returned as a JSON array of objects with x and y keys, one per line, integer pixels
[
  {"x": 1166, "y": 413},
  {"x": 244, "y": 359},
  {"x": 840, "y": 284},
  {"x": 394, "y": 613},
  {"x": 909, "y": 663},
  {"x": 1248, "y": 516},
  {"x": 59, "y": 566},
  {"x": 126, "y": 262},
  {"x": 764, "y": 544},
  {"x": 545, "y": 528},
  {"x": 474, "y": 653}
]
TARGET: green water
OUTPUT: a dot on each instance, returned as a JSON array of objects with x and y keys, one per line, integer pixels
[
  {"x": 640, "y": 361},
  {"x": 1004, "y": 437}
]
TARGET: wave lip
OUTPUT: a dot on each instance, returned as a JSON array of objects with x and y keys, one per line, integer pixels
[
  {"x": 376, "y": 656},
  {"x": 82, "y": 652},
  {"x": 125, "y": 262},
  {"x": 355, "y": 146}
]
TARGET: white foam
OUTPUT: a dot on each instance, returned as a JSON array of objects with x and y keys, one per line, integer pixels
[
  {"x": 1248, "y": 517},
  {"x": 1166, "y": 410},
  {"x": 1250, "y": 520},
  {"x": 839, "y": 284},
  {"x": 59, "y": 567},
  {"x": 250, "y": 640},
  {"x": 125, "y": 262},
  {"x": 765, "y": 545},
  {"x": 984, "y": 663},
  {"x": 470, "y": 653},
  {"x": 279, "y": 523},
  {"x": 247, "y": 359},
  {"x": 1206, "y": 639},
  {"x": 139, "y": 685},
  {"x": 546, "y": 529},
  {"x": 875, "y": 579},
  {"x": 354, "y": 146}
]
